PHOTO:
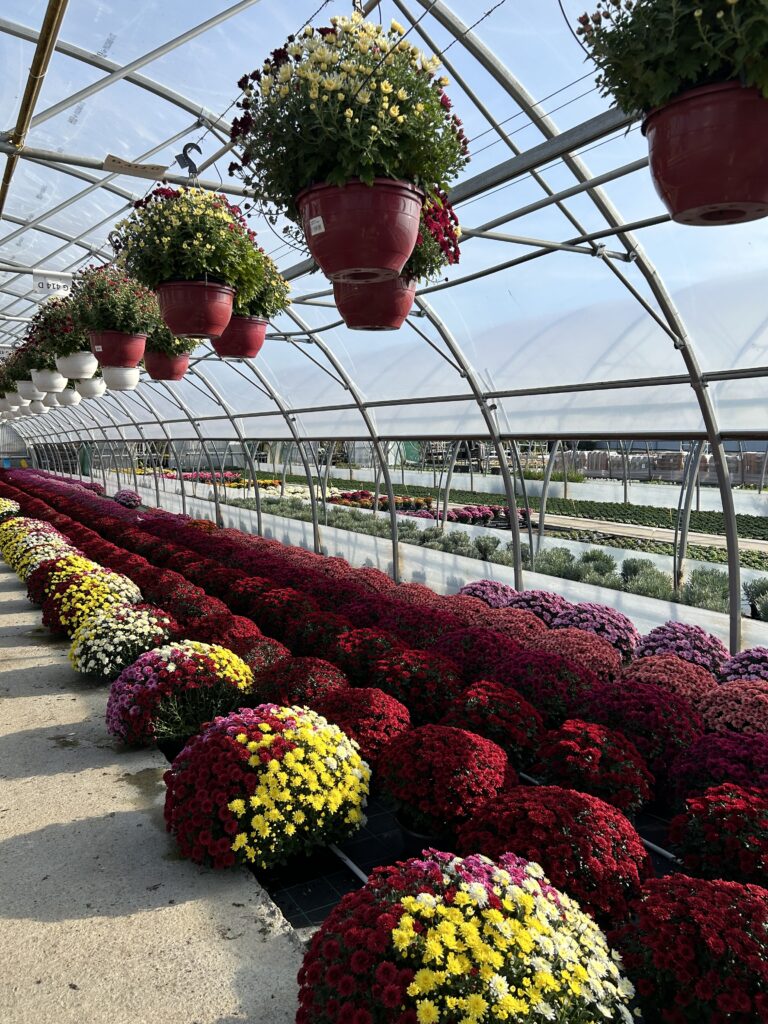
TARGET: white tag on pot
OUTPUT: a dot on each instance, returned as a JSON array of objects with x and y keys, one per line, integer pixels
[
  {"x": 316, "y": 226},
  {"x": 97, "y": 348}
]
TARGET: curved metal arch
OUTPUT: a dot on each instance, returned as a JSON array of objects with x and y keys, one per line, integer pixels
[
  {"x": 122, "y": 71},
  {"x": 117, "y": 399},
  {"x": 486, "y": 113},
  {"x": 182, "y": 405},
  {"x": 290, "y": 422},
  {"x": 381, "y": 454},
  {"x": 142, "y": 397},
  {"x": 487, "y": 411},
  {"x": 96, "y": 183},
  {"x": 196, "y": 372},
  {"x": 71, "y": 239},
  {"x": 78, "y": 413},
  {"x": 63, "y": 428},
  {"x": 120, "y": 428},
  {"x": 683, "y": 343},
  {"x": 95, "y": 60}
]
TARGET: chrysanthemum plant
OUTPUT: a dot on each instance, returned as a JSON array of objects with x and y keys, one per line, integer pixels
[
  {"x": 437, "y": 245},
  {"x": 271, "y": 296},
  {"x": 106, "y": 298},
  {"x": 351, "y": 100},
  {"x": 56, "y": 329},
  {"x": 650, "y": 51},
  {"x": 189, "y": 234}
]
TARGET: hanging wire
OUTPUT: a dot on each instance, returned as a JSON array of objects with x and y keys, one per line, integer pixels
[
  {"x": 555, "y": 163},
  {"x": 512, "y": 117},
  {"x": 236, "y": 100},
  {"x": 408, "y": 31},
  {"x": 567, "y": 21},
  {"x": 474, "y": 24},
  {"x": 528, "y": 124}
]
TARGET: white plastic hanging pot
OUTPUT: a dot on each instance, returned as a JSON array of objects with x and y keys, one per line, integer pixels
[
  {"x": 17, "y": 402},
  {"x": 91, "y": 388},
  {"x": 69, "y": 397},
  {"x": 51, "y": 400},
  {"x": 27, "y": 389},
  {"x": 80, "y": 365},
  {"x": 5, "y": 405},
  {"x": 37, "y": 408},
  {"x": 49, "y": 380},
  {"x": 121, "y": 378}
]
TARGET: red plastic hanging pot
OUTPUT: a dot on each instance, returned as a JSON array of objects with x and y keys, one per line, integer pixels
[
  {"x": 114, "y": 348},
  {"x": 195, "y": 309},
  {"x": 382, "y": 306},
  {"x": 358, "y": 232},
  {"x": 707, "y": 154},
  {"x": 160, "y": 366},
  {"x": 242, "y": 339}
]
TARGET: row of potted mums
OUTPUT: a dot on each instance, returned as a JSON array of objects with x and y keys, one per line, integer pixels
[{"x": 677, "y": 933}]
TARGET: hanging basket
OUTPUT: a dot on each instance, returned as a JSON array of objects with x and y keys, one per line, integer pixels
[
  {"x": 94, "y": 387},
  {"x": 121, "y": 378},
  {"x": 49, "y": 380},
  {"x": 116, "y": 349},
  {"x": 707, "y": 155},
  {"x": 78, "y": 365},
  {"x": 242, "y": 339},
  {"x": 375, "y": 307},
  {"x": 51, "y": 400},
  {"x": 28, "y": 390},
  {"x": 195, "y": 309},
  {"x": 160, "y": 366},
  {"x": 68, "y": 397},
  {"x": 15, "y": 400},
  {"x": 361, "y": 233},
  {"x": 37, "y": 408}
]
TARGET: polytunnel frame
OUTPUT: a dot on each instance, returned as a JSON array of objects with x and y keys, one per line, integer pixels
[{"x": 670, "y": 319}]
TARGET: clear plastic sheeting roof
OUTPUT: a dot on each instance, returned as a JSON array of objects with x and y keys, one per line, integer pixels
[{"x": 558, "y": 322}]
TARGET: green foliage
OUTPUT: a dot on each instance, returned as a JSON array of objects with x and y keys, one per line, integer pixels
[
  {"x": 762, "y": 607},
  {"x": 756, "y": 590},
  {"x": 160, "y": 339},
  {"x": 706, "y": 588},
  {"x": 351, "y": 101},
  {"x": 557, "y": 475},
  {"x": 559, "y": 562},
  {"x": 650, "y": 581},
  {"x": 487, "y": 546},
  {"x": 598, "y": 561},
  {"x": 105, "y": 298},
  {"x": 57, "y": 329},
  {"x": 650, "y": 51},
  {"x": 182, "y": 714},
  {"x": 189, "y": 235},
  {"x": 270, "y": 297},
  {"x": 632, "y": 567}
]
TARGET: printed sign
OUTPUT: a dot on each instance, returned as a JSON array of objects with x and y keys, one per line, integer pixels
[
  {"x": 48, "y": 282},
  {"x": 117, "y": 165},
  {"x": 316, "y": 226}
]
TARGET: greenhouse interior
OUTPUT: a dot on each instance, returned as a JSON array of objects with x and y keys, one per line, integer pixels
[{"x": 399, "y": 574}]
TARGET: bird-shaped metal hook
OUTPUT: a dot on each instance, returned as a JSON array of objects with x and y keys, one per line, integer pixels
[{"x": 184, "y": 160}]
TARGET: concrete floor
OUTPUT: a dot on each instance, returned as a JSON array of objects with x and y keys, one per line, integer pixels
[{"x": 100, "y": 919}]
